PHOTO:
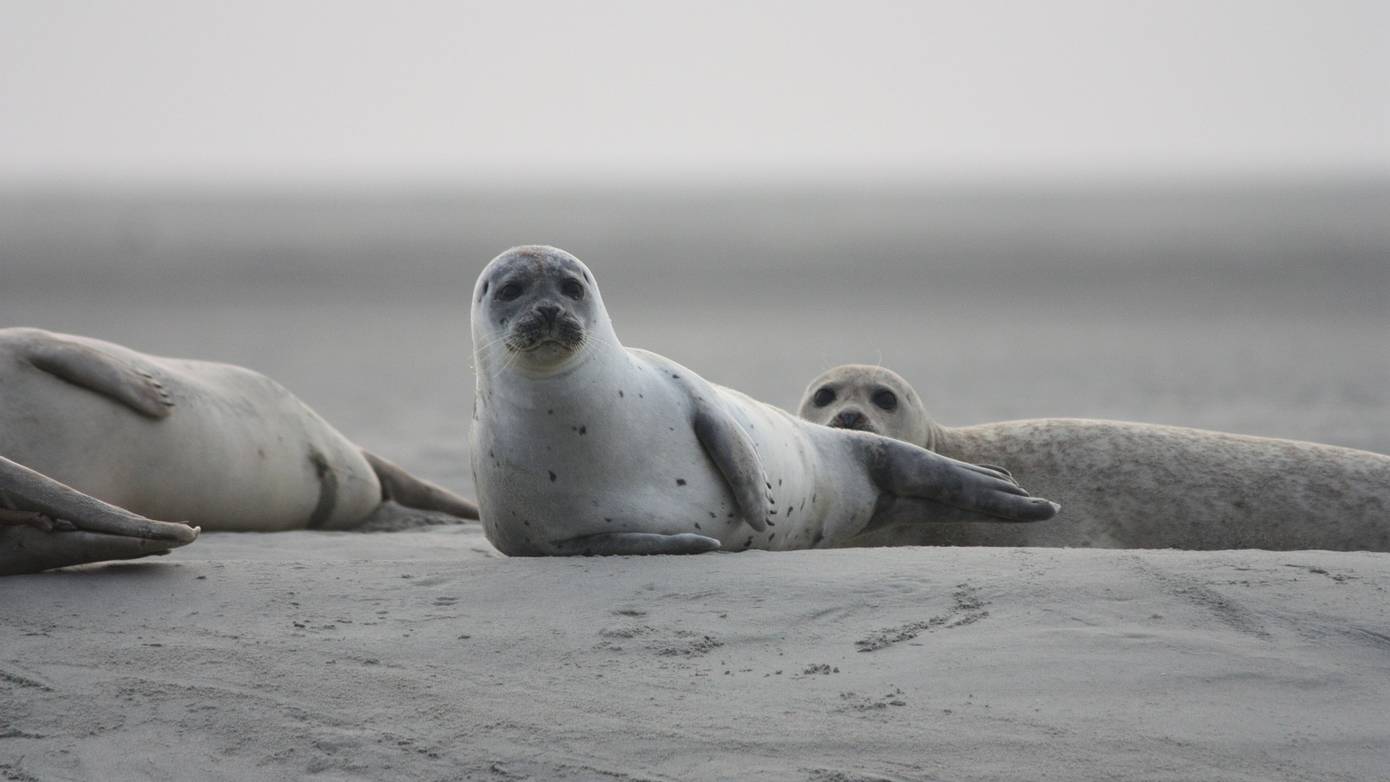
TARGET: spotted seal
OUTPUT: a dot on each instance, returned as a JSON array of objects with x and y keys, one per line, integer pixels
[{"x": 583, "y": 446}]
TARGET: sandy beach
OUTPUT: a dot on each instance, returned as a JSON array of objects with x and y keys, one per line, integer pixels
[{"x": 424, "y": 655}]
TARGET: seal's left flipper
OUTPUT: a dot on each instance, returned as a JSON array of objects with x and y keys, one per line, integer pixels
[
  {"x": 85, "y": 366},
  {"x": 636, "y": 543},
  {"x": 402, "y": 487},
  {"x": 732, "y": 451}
]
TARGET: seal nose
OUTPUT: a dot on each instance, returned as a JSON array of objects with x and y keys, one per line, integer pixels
[
  {"x": 549, "y": 311},
  {"x": 848, "y": 419}
]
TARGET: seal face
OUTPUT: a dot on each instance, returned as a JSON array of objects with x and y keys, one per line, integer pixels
[
  {"x": 867, "y": 399},
  {"x": 544, "y": 308},
  {"x": 580, "y": 445}
]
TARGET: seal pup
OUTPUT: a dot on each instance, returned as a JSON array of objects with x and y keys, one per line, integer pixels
[
  {"x": 217, "y": 445},
  {"x": 44, "y": 524},
  {"x": 1130, "y": 485},
  {"x": 583, "y": 446}
]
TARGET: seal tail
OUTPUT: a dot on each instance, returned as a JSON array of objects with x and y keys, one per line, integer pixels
[{"x": 402, "y": 487}]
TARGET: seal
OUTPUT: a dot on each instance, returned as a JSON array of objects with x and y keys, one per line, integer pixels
[
  {"x": 1129, "y": 485},
  {"x": 45, "y": 524},
  {"x": 582, "y": 446},
  {"x": 216, "y": 445}
]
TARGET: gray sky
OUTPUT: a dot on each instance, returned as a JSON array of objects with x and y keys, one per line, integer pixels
[{"x": 153, "y": 90}]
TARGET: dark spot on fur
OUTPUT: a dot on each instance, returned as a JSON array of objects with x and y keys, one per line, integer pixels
[
  {"x": 608, "y": 520},
  {"x": 620, "y": 392},
  {"x": 779, "y": 481},
  {"x": 748, "y": 542},
  {"x": 641, "y": 396},
  {"x": 711, "y": 515},
  {"x": 552, "y": 475},
  {"x": 817, "y": 539},
  {"x": 583, "y": 430},
  {"x": 680, "y": 481},
  {"x": 674, "y": 376},
  {"x": 770, "y": 537},
  {"x": 525, "y": 523},
  {"x": 550, "y": 412},
  {"x": 697, "y": 525}
]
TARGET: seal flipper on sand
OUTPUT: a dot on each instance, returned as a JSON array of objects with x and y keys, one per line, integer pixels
[
  {"x": 46, "y": 524},
  {"x": 731, "y": 450},
  {"x": 405, "y": 489},
  {"x": 85, "y": 366}
]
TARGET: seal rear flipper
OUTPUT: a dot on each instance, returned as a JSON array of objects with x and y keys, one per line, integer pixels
[
  {"x": 635, "y": 543},
  {"x": 85, "y": 366},
  {"x": 46, "y": 524},
  {"x": 732, "y": 451},
  {"x": 25, "y": 549},
  {"x": 401, "y": 487},
  {"x": 906, "y": 472}
]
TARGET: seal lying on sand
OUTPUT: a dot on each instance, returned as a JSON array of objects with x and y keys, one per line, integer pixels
[
  {"x": 582, "y": 446},
  {"x": 1130, "y": 485},
  {"x": 216, "y": 445}
]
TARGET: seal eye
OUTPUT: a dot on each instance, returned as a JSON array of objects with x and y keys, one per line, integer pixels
[
  {"x": 886, "y": 399},
  {"x": 572, "y": 289},
  {"x": 823, "y": 397},
  {"x": 509, "y": 291}
]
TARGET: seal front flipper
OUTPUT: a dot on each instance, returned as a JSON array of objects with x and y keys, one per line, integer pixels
[
  {"x": 906, "y": 472},
  {"x": 635, "y": 543},
  {"x": 732, "y": 451},
  {"x": 401, "y": 487},
  {"x": 85, "y": 366}
]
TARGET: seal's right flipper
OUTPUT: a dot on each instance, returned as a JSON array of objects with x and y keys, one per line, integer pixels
[
  {"x": 636, "y": 543},
  {"x": 906, "y": 471},
  {"x": 732, "y": 451},
  {"x": 46, "y": 524},
  {"x": 95, "y": 370}
]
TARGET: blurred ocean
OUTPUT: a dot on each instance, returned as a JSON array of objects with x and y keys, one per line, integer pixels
[{"x": 1256, "y": 310}]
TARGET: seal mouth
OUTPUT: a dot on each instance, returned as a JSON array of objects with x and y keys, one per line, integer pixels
[{"x": 534, "y": 333}]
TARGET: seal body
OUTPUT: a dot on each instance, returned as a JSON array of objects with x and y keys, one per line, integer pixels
[
  {"x": 1131, "y": 485},
  {"x": 580, "y": 445},
  {"x": 213, "y": 444}
]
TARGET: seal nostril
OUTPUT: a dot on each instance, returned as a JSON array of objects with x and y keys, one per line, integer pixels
[
  {"x": 848, "y": 419},
  {"x": 549, "y": 312}
]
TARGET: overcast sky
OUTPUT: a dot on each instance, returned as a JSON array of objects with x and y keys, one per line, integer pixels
[{"x": 155, "y": 90}]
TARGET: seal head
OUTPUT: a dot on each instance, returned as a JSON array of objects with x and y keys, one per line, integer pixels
[
  {"x": 542, "y": 309},
  {"x": 867, "y": 399}
]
